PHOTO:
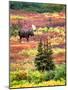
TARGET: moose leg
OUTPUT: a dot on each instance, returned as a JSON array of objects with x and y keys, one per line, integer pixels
[
  {"x": 27, "y": 38},
  {"x": 20, "y": 38}
]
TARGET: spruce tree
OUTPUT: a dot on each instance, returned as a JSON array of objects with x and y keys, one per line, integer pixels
[
  {"x": 39, "y": 56},
  {"x": 49, "y": 59},
  {"x": 43, "y": 60}
]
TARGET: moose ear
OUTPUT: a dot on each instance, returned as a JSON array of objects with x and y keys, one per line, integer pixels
[{"x": 33, "y": 27}]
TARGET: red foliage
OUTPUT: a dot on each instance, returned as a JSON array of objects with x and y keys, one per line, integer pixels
[{"x": 40, "y": 20}]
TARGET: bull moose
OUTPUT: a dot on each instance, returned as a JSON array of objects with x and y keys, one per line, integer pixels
[
  {"x": 25, "y": 34},
  {"x": 25, "y": 31}
]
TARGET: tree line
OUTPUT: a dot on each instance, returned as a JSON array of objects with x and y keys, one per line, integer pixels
[{"x": 36, "y": 7}]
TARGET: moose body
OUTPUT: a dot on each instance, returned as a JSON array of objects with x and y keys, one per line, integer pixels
[{"x": 25, "y": 34}]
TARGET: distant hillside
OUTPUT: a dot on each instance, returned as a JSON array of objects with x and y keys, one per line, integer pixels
[{"x": 37, "y": 7}]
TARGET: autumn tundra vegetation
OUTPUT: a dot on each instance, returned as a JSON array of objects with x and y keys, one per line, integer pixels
[{"x": 37, "y": 44}]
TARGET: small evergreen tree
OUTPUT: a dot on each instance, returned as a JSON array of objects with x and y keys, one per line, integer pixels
[
  {"x": 39, "y": 57},
  {"x": 49, "y": 59},
  {"x": 43, "y": 60}
]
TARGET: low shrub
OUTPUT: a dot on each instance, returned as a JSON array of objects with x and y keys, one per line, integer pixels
[
  {"x": 30, "y": 52},
  {"x": 49, "y": 75},
  {"x": 14, "y": 29},
  {"x": 21, "y": 75},
  {"x": 12, "y": 76},
  {"x": 60, "y": 72},
  {"x": 34, "y": 76},
  {"x": 18, "y": 75},
  {"x": 37, "y": 78}
]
